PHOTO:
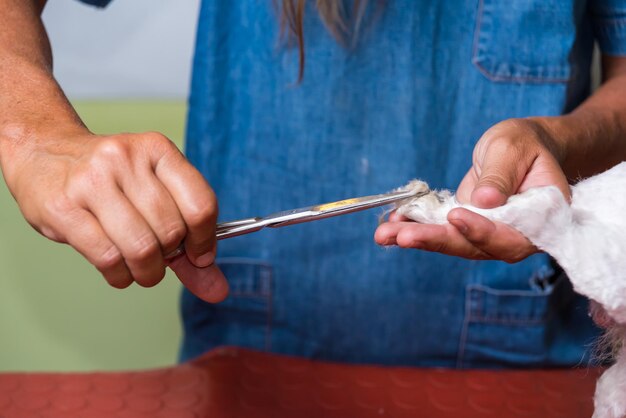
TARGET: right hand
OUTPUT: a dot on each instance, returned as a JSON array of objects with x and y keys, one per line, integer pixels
[
  {"x": 510, "y": 158},
  {"x": 122, "y": 201}
]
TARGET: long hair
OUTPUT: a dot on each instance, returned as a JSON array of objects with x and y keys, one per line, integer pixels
[{"x": 342, "y": 23}]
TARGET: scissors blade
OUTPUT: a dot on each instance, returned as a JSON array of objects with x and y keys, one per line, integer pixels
[
  {"x": 341, "y": 207},
  {"x": 313, "y": 213},
  {"x": 307, "y": 214}
]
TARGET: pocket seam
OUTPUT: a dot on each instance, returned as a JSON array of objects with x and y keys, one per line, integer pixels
[
  {"x": 472, "y": 318},
  {"x": 490, "y": 319},
  {"x": 265, "y": 295},
  {"x": 478, "y": 60},
  {"x": 481, "y": 317}
]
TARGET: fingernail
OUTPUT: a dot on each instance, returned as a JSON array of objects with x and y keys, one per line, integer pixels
[
  {"x": 205, "y": 260},
  {"x": 460, "y": 225}
]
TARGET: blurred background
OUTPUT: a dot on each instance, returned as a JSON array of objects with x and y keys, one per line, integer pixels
[{"x": 126, "y": 69}]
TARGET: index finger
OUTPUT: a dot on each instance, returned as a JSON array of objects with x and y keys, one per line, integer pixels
[
  {"x": 197, "y": 204},
  {"x": 497, "y": 239},
  {"x": 445, "y": 239}
]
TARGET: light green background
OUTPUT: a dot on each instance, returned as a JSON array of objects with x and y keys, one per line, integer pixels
[{"x": 56, "y": 312}]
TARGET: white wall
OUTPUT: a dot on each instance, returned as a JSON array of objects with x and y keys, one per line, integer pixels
[{"x": 131, "y": 49}]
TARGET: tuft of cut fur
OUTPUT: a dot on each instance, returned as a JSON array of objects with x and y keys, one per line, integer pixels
[{"x": 587, "y": 238}]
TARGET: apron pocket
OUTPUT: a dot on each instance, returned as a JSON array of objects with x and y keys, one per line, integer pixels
[
  {"x": 511, "y": 328},
  {"x": 524, "y": 41},
  {"x": 242, "y": 319}
]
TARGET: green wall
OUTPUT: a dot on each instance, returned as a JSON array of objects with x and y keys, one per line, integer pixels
[{"x": 56, "y": 312}]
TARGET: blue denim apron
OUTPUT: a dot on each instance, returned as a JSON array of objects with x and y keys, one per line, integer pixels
[
  {"x": 424, "y": 81},
  {"x": 422, "y": 84}
]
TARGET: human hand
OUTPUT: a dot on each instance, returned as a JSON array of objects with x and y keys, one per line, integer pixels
[
  {"x": 122, "y": 201},
  {"x": 511, "y": 157}
]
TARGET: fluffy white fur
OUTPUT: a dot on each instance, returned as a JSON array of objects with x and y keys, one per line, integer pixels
[{"x": 587, "y": 238}]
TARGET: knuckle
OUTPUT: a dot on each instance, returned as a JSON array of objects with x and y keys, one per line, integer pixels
[
  {"x": 51, "y": 233},
  {"x": 479, "y": 239},
  {"x": 513, "y": 123},
  {"x": 57, "y": 218},
  {"x": 495, "y": 179},
  {"x": 143, "y": 249},
  {"x": 157, "y": 139},
  {"x": 85, "y": 181},
  {"x": 504, "y": 129},
  {"x": 57, "y": 207},
  {"x": 173, "y": 236},
  {"x": 200, "y": 215},
  {"x": 108, "y": 260},
  {"x": 111, "y": 150}
]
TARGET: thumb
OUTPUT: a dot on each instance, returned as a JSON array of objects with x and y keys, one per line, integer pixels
[
  {"x": 500, "y": 174},
  {"x": 494, "y": 186},
  {"x": 207, "y": 283}
]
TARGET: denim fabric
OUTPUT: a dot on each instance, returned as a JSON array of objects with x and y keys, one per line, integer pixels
[
  {"x": 410, "y": 99},
  {"x": 609, "y": 25}
]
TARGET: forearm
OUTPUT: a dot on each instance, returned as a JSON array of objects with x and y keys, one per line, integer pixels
[
  {"x": 592, "y": 138},
  {"x": 31, "y": 102}
]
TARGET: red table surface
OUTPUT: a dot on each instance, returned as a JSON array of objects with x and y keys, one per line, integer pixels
[{"x": 233, "y": 382}]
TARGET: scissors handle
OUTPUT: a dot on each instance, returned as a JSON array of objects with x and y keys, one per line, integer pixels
[
  {"x": 225, "y": 230},
  {"x": 240, "y": 222},
  {"x": 238, "y": 227}
]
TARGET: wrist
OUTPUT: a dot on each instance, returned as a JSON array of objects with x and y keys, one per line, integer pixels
[
  {"x": 18, "y": 140},
  {"x": 552, "y": 131},
  {"x": 36, "y": 112},
  {"x": 576, "y": 136}
]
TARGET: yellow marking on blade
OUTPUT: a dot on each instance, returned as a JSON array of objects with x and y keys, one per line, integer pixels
[{"x": 335, "y": 205}]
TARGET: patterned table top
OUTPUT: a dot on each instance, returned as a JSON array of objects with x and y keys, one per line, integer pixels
[{"x": 232, "y": 382}]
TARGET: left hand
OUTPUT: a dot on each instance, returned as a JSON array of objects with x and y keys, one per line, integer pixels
[{"x": 511, "y": 157}]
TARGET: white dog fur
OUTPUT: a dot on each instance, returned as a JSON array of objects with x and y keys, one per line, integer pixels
[{"x": 587, "y": 238}]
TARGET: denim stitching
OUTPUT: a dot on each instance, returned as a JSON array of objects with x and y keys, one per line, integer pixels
[
  {"x": 476, "y": 315},
  {"x": 481, "y": 318},
  {"x": 505, "y": 78},
  {"x": 264, "y": 288},
  {"x": 502, "y": 321},
  {"x": 464, "y": 331},
  {"x": 479, "y": 20},
  {"x": 242, "y": 260},
  {"x": 500, "y": 292},
  {"x": 260, "y": 264},
  {"x": 476, "y": 60}
]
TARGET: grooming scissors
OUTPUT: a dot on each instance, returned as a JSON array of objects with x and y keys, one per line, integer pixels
[{"x": 307, "y": 214}]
